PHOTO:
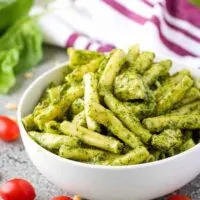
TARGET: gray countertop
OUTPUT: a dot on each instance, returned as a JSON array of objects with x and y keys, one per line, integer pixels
[{"x": 14, "y": 161}]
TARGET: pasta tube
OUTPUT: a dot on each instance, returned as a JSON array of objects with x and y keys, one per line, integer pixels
[
  {"x": 77, "y": 74},
  {"x": 187, "y": 109},
  {"x": 79, "y": 119},
  {"x": 126, "y": 116},
  {"x": 102, "y": 66},
  {"x": 178, "y": 76},
  {"x": 111, "y": 70},
  {"x": 172, "y": 80},
  {"x": 133, "y": 54},
  {"x": 82, "y": 57},
  {"x": 193, "y": 94},
  {"x": 91, "y": 95},
  {"x": 108, "y": 119},
  {"x": 91, "y": 138},
  {"x": 55, "y": 93},
  {"x": 82, "y": 154},
  {"x": 136, "y": 156},
  {"x": 29, "y": 123},
  {"x": 157, "y": 71},
  {"x": 57, "y": 110},
  {"x": 53, "y": 142},
  {"x": 173, "y": 95},
  {"x": 157, "y": 124},
  {"x": 143, "y": 61}
]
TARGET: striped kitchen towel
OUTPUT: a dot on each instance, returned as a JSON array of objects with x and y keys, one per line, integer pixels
[{"x": 169, "y": 27}]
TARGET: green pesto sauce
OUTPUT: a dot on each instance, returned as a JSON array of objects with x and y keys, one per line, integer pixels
[{"x": 126, "y": 99}]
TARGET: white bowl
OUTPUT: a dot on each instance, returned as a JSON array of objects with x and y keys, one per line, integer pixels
[{"x": 139, "y": 182}]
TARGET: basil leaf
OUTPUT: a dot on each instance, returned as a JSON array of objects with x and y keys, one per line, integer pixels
[
  {"x": 25, "y": 35},
  {"x": 8, "y": 60},
  {"x": 12, "y": 10}
]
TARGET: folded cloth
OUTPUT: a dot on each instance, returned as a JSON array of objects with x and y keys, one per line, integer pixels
[{"x": 168, "y": 27}]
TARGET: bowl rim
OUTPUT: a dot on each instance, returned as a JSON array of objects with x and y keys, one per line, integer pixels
[{"x": 24, "y": 133}]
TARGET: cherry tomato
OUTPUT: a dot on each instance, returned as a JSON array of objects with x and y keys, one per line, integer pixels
[
  {"x": 17, "y": 189},
  {"x": 9, "y": 129},
  {"x": 62, "y": 198},
  {"x": 178, "y": 197}
]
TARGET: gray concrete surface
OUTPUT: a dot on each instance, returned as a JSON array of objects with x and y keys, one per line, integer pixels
[{"x": 14, "y": 161}]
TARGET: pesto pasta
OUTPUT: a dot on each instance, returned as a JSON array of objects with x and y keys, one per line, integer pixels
[{"x": 117, "y": 109}]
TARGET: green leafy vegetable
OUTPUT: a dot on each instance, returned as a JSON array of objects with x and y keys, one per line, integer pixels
[
  {"x": 20, "y": 41},
  {"x": 25, "y": 35},
  {"x": 8, "y": 60},
  {"x": 12, "y": 10}
]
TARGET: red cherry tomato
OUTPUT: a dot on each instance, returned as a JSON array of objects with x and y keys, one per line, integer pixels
[
  {"x": 17, "y": 189},
  {"x": 62, "y": 198},
  {"x": 178, "y": 197},
  {"x": 9, "y": 129}
]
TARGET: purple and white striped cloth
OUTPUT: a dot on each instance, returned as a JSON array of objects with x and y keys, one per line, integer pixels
[{"x": 171, "y": 28}]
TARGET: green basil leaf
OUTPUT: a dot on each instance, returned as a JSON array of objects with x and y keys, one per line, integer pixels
[
  {"x": 8, "y": 60},
  {"x": 26, "y": 36},
  {"x": 12, "y": 10}
]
